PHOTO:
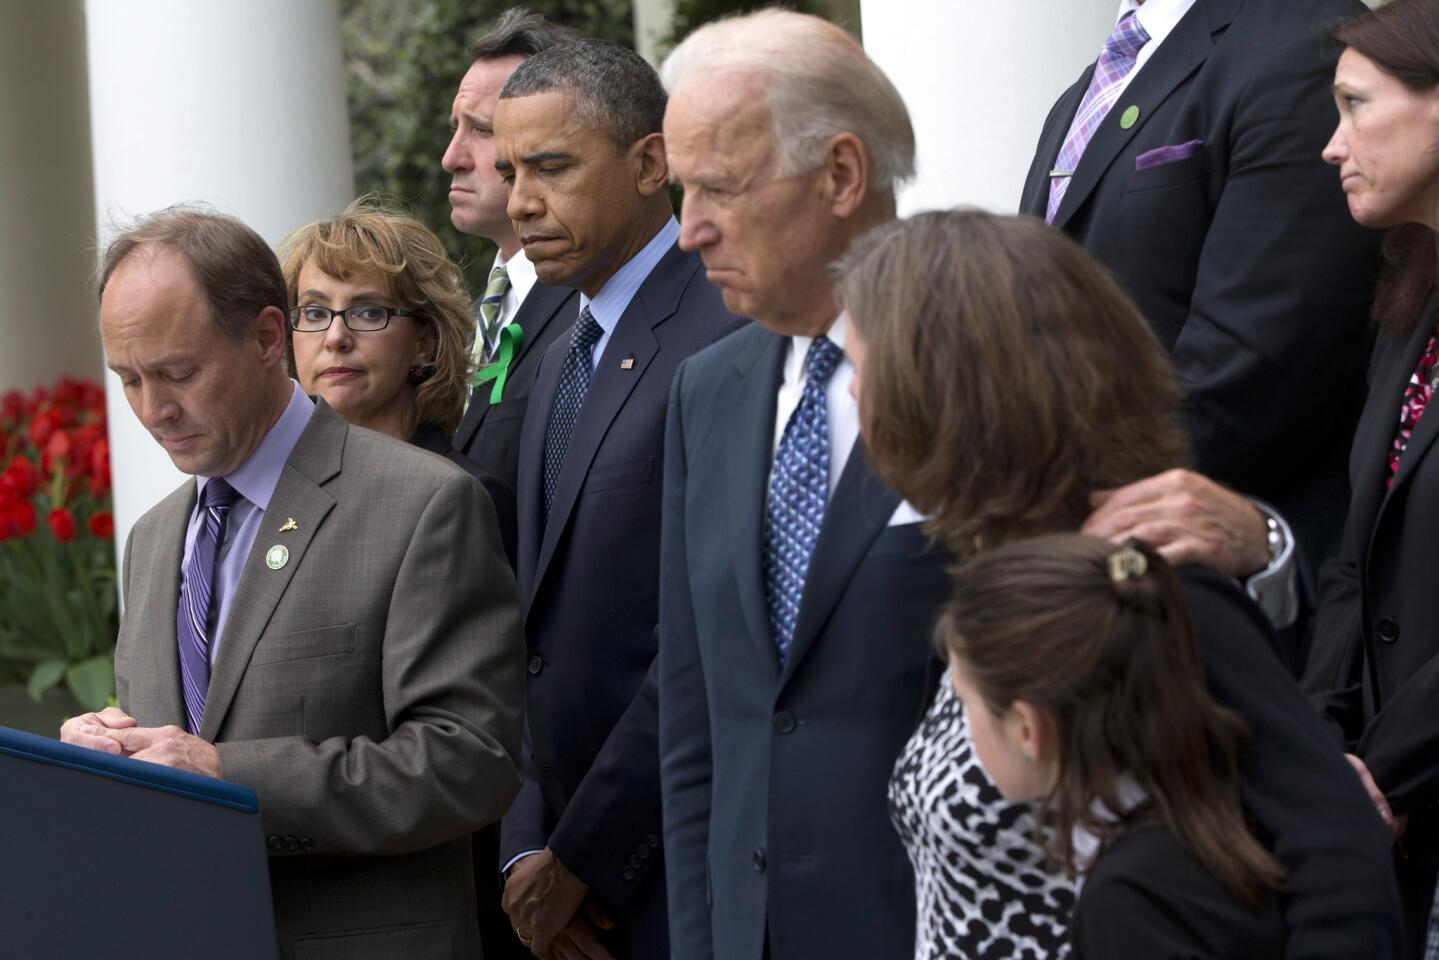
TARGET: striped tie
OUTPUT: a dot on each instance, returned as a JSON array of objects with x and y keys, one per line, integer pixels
[
  {"x": 1118, "y": 57},
  {"x": 490, "y": 314},
  {"x": 196, "y": 616}
]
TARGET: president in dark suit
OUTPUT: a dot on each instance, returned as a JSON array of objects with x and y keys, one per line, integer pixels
[
  {"x": 1187, "y": 160},
  {"x": 535, "y": 313},
  {"x": 798, "y": 593},
  {"x": 578, "y": 141}
]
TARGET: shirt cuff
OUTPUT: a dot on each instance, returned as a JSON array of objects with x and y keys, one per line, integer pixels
[
  {"x": 505, "y": 870},
  {"x": 1276, "y": 587}
]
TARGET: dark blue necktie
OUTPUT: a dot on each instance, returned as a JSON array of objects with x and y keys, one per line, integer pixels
[
  {"x": 569, "y": 399},
  {"x": 196, "y": 616},
  {"x": 798, "y": 492}
]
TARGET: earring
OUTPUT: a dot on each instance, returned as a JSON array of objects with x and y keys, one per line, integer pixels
[
  {"x": 419, "y": 373},
  {"x": 1028, "y": 757}
]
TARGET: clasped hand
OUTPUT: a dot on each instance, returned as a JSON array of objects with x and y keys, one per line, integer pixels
[
  {"x": 543, "y": 900},
  {"x": 116, "y": 732}
]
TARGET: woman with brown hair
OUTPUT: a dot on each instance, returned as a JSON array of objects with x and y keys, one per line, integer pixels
[
  {"x": 1002, "y": 377},
  {"x": 1374, "y": 669},
  {"x": 1076, "y": 662},
  {"x": 380, "y": 327}
]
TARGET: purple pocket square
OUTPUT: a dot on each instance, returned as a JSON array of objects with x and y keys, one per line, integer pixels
[{"x": 1162, "y": 155}]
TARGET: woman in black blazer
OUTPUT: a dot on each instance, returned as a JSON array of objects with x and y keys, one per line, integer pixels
[
  {"x": 1374, "y": 667},
  {"x": 1077, "y": 665},
  {"x": 1003, "y": 377}
]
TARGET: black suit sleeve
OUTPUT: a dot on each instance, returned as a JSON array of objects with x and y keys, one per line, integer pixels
[
  {"x": 522, "y": 829},
  {"x": 686, "y": 770},
  {"x": 1340, "y": 900},
  {"x": 1282, "y": 286},
  {"x": 1401, "y": 743},
  {"x": 1334, "y": 675}
]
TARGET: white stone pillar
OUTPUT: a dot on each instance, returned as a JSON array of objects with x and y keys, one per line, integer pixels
[
  {"x": 238, "y": 105},
  {"x": 979, "y": 77},
  {"x": 47, "y": 213}
]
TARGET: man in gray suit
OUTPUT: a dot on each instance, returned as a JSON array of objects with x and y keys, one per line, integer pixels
[{"x": 293, "y": 620}]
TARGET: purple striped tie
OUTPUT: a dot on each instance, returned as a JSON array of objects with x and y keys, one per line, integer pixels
[
  {"x": 195, "y": 618},
  {"x": 1115, "y": 61}
]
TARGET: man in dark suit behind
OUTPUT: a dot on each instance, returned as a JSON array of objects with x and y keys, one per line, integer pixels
[
  {"x": 1192, "y": 169},
  {"x": 798, "y": 593},
  {"x": 577, "y": 139},
  {"x": 489, "y": 434}
]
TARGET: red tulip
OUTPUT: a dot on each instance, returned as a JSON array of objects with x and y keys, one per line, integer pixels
[
  {"x": 102, "y": 525},
  {"x": 62, "y": 524},
  {"x": 12, "y": 406},
  {"x": 44, "y": 425},
  {"x": 23, "y": 479},
  {"x": 23, "y": 515}
]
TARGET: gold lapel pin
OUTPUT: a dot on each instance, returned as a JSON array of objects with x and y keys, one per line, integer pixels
[
  {"x": 289, "y": 524},
  {"x": 627, "y": 363}
]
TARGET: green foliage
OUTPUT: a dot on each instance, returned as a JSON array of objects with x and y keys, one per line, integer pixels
[
  {"x": 404, "y": 60},
  {"x": 690, "y": 14}
]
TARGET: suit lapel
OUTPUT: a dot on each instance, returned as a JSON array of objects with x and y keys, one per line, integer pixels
[
  {"x": 856, "y": 515},
  {"x": 315, "y": 459},
  {"x": 1183, "y": 52},
  {"x": 750, "y": 452},
  {"x": 1395, "y": 383},
  {"x": 539, "y": 310},
  {"x": 610, "y": 386},
  {"x": 162, "y": 599}
]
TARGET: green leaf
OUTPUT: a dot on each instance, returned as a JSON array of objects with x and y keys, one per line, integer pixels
[
  {"x": 92, "y": 682},
  {"x": 44, "y": 676}
]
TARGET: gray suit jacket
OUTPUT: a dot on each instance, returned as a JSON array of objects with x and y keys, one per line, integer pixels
[{"x": 369, "y": 691}]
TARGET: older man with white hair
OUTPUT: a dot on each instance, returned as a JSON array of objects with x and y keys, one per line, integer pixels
[{"x": 797, "y": 592}]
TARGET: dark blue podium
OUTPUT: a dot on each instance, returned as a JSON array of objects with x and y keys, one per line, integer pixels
[{"x": 102, "y": 856}]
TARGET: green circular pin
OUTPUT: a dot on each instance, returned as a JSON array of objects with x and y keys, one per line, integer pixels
[
  {"x": 1129, "y": 117},
  {"x": 277, "y": 556}
]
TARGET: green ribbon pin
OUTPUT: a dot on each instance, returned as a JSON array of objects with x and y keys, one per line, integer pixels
[
  {"x": 1128, "y": 118},
  {"x": 510, "y": 339}
]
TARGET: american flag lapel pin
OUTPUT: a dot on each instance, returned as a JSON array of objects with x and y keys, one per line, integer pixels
[{"x": 628, "y": 363}]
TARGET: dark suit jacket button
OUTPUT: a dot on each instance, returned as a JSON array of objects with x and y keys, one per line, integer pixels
[
  {"x": 758, "y": 859},
  {"x": 652, "y": 840},
  {"x": 643, "y": 851},
  {"x": 628, "y": 873},
  {"x": 1388, "y": 630},
  {"x": 784, "y": 722},
  {"x": 536, "y": 665},
  {"x": 292, "y": 844},
  {"x": 276, "y": 844},
  {"x": 307, "y": 844},
  {"x": 634, "y": 861}
]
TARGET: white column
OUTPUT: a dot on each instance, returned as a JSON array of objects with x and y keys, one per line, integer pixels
[
  {"x": 47, "y": 305},
  {"x": 238, "y": 105},
  {"x": 979, "y": 77}
]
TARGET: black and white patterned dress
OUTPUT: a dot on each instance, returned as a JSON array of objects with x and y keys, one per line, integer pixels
[{"x": 981, "y": 888}]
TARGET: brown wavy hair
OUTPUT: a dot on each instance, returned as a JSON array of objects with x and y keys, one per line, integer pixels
[
  {"x": 1006, "y": 375},
  {"x": 1401, "y": 38},
  {"x": 367, "y": 239},
  {"x": 1111, "y": 657}
]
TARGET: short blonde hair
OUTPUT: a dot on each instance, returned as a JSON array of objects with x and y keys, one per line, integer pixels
[
  {"x": 818, "y": 82},
  {"x": 368, "y": 239}
]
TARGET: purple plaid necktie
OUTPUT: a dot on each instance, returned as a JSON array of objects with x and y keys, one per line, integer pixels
[
  {"x": 1114, "y": 63},
  {"x": 196, "y": 616}
]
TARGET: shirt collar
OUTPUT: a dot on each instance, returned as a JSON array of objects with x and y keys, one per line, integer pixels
[
  {"x": 1158, "y": 17},
  {"x": 520, "y": 271},
  {"x": 255, "y": 479},
  {"x": 799, "y": 348},
  {"x": 614, "y": 297}
]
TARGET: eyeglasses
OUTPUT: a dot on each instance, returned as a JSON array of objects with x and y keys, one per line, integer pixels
[{"x": 313, "y": 318}]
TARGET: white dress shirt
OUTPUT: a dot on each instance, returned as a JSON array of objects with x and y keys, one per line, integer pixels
[
  {"x": 841, "y": 407},
  {"x": 1159, "y": 18},
  {"x": 522, "y": 279}
]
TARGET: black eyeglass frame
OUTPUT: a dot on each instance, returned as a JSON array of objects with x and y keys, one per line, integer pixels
[{"x": 344, "y": 315}]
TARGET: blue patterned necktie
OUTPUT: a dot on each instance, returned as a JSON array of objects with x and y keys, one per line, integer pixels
[
  {"x": 195, "y": 618},
  {"x": 798, "y": 492},
  {"x": 569, "y": 398}
]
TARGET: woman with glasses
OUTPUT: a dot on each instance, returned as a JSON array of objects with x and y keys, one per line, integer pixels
[{"x": 381, "y": 328}]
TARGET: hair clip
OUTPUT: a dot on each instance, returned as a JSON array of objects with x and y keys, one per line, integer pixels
[{"x": 1127, "y": 564}]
